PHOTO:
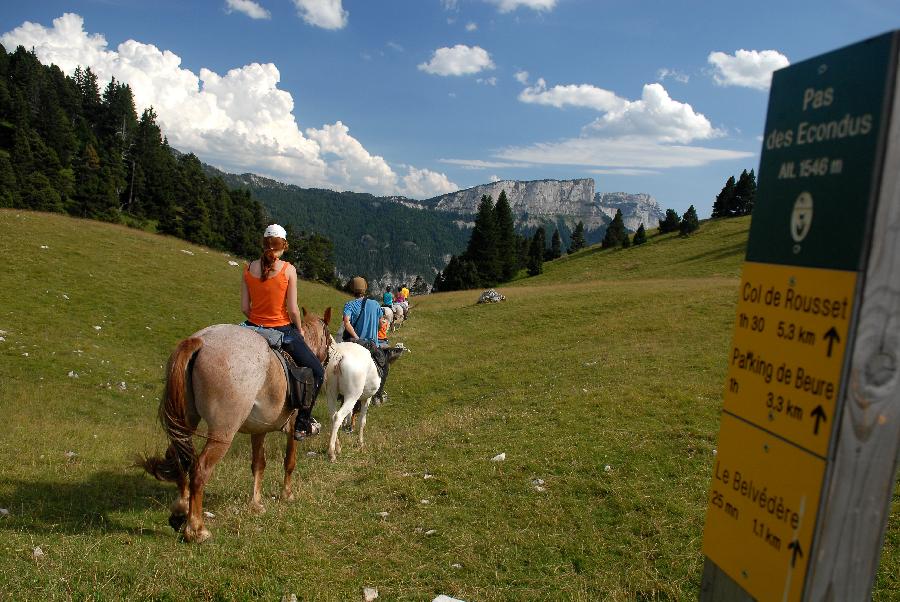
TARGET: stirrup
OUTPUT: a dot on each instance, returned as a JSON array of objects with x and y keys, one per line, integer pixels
[{"x": 304, "y": 428}]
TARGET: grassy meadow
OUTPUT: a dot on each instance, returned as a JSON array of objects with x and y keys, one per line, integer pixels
[{"x": 602, "y": 378}]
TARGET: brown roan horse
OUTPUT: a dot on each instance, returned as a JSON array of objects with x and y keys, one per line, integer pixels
[{"x": 227, "y": 376}]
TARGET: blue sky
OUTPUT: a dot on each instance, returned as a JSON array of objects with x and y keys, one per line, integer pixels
[{"x": 420, "y": 97}]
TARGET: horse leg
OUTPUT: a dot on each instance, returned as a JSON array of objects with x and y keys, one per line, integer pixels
[
  {"x": 212, "y": 452},
  {"x": 258, "y": 467},
  {"x": 337, "y": 418},
  {"x": 180, "y": 506},
  {"x": 290, "y": 461},
  {"x": 363, "y": 410}
]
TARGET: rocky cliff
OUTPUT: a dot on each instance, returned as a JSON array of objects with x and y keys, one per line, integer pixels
[
  {"x": 567, "y": 202},
  {"x": 636, "y": 209}
]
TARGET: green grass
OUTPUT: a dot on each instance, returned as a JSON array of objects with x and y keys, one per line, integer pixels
[{"x": 614, "y": 358}]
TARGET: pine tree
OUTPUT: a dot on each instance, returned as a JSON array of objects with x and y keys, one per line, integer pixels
[
  {"x": 689, "y": 223},
  {"x": 671, "y": 223},
  {"x": 536, "y": 253},
  {"x": 578, "y": 241},
  {"x": 506, "y": 238},
  {"x": 555, "y": 245},
  {"x": 640, "y": 237},
  {"x": 626, "y": 241},
  {"x": 615, "y": 232},
  {"x": 744, "y": 193},
  {"x": 724, "y": 204},
  {"x": 482, "y": 248}
]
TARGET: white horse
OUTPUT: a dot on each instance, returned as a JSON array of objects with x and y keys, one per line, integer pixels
[{"x": 352, "y": 374}]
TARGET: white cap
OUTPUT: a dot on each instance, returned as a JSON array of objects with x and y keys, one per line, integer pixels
[{"x": 276, "y": 231}]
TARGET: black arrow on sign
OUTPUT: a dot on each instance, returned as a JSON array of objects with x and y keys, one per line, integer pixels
[
  {"x": 832, "y": 336},
  {"x": 795, "y": 546},
  {"x": 819, "y": 415}
]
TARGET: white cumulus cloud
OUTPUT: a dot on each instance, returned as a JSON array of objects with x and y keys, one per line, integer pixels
[
  {"x": 657, "y": 116},
  {"x": 470, "y": 26},
  {"x": 459, "y": 60},
  {"x": 240, "y": 120},
  {"x": 506, "y": 6},
  {"x": 248, "y": 7},
  {"x": 327, "y": 14},
  {"x": 580, "y": 95},
  {"x": 522, "y": 77},
  {"x": 630, "y": 137},
  {"x": 747, "y": 68}
]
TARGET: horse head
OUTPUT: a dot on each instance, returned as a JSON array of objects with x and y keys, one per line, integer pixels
[{"x": 316, "y": 334}]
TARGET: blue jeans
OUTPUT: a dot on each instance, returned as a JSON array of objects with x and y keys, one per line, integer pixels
[{"x": 294, "y": 344}]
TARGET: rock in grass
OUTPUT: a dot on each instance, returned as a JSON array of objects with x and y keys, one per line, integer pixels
[
  {"x": 4, "y": 512},
  {"x": 540, "y": 488},
  {"x": 491, "y": 296},
  {"x": 73, "y": 374},
  {"x": 369, "y": 594},
  {"x": 456, "y": 565},
  {"x": 70, "y": 455},
  {"x": 37, "y": 553},
  {"x": 607, "y": 468},
  {"x": 289, "y": 598},
  {"x": 446, "y": 598},
  {"x": 430, "y": 532},
  {"x": 208, "y": 514},
  {"x": 499, "y": 457},
  {"x": 383, "y": 514}
]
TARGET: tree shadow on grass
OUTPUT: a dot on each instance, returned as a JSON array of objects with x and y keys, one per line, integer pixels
[
  {"x": 88, "y": 506},
  {"x": 736, "y": 249}
]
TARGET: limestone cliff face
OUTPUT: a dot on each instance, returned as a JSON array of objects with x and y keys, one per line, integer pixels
[
  {"x": 538, "y": 202},
  {"x": 538, "y": 197},
  {"x": 636, "y": 209}
]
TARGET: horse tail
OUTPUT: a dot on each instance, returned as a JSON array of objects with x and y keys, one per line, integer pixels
[{"x": 180, "y": 456}]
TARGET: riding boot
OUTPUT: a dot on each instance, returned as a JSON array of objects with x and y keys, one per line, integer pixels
[{"x": 305, "y": 425}]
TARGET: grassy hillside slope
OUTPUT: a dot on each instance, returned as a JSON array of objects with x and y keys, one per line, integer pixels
[{"x": 602, "y": 377}]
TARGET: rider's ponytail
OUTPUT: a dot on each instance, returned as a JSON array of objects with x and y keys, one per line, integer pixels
[{"x": 271, "y": 246}]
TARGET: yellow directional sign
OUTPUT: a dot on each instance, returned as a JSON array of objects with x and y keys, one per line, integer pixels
[
  {"x": 786, "y": 357},
  {"x": 762, "y": 510}
]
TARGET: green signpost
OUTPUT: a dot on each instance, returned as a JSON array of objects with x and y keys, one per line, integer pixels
[{"x": 809, "y": 293}]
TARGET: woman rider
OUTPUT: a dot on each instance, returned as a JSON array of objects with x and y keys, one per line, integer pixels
[{"x": 269, "y": 299}]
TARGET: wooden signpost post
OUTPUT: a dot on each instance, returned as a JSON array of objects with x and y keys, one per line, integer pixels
[{"x": 810, "y": 428}]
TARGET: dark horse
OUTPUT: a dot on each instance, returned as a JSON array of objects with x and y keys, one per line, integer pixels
[{"x": 227, "y": 376}]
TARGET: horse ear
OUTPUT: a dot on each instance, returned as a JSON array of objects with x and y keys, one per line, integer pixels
[
  {"x": 327, "y": 316},
  {"x": 303, "y": 310}
]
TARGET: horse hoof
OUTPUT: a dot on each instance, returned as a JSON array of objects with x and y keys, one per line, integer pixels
[
  {"x": 287, "y": 496},
  {"x": 176, "y": 521},
  {"x": 193, "y": 536},
  {"x": 257, "y": 508}
]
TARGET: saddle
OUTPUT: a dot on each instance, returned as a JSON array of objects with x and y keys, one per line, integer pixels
[
  {"x": 300, "y": 379},
  {"x": 301, "y": 382}
]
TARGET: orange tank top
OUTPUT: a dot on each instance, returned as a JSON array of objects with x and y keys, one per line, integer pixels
[{"x": 267, "y": 298}]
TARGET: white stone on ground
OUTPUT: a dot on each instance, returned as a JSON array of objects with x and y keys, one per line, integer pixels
[
  {"x": 73, "y": 374},
  {"x": 208, "y": 514},
  {"x": 232, "y": 263},
  {"x": 122, "y": 386},
  {"x": 499, "y": 457},
  {"x": 97, "y": 327},
  {"x": 289, "y": 598},
  {"x": 37, "y": 553},
  {"x": 70, "y": 455},
  {"x": 540, "y": 488},
  {"x": 446, "y": 598},
  {"x": 456, "y": 565},
  {"x": 607, "y": 468},
  {"x": 430, "y": 531},
  {"x": 383, "y": 514},
  {"x": 428, "y": 476},
  {"x": 4, "y": 512},
  {"x": 424, "y": 502},
  {"x": 537, "y": 481},
  {"x": 312, "y": 453},
  {"x": 369, "y": 594},
  {"x": 491, "y": 296}
]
